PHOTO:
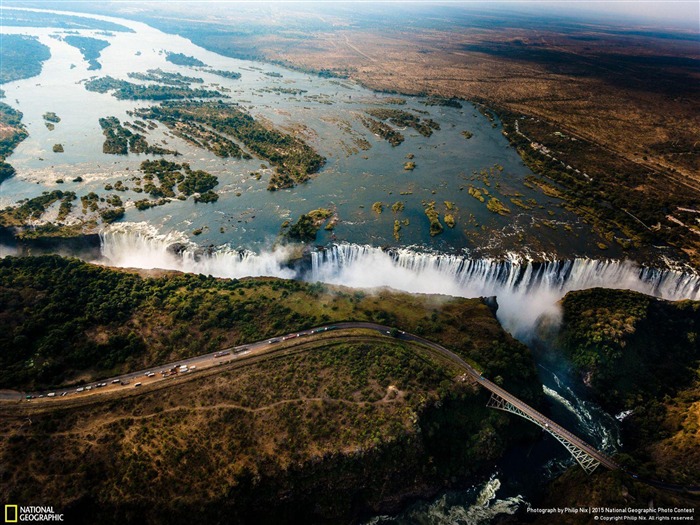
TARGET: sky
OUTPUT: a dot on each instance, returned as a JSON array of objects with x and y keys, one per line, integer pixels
[{"x": 681, "y": 13}]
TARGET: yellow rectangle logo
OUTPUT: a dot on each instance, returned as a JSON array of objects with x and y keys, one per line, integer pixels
[{"x": 11, "y": 513}]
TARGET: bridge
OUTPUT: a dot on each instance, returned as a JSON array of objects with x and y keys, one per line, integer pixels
[{"x": 587, "y": 456}]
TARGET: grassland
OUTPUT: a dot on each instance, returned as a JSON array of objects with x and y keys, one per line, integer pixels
[
  {"x": 332, "y": 434},
  {"x": 627, "y": 95},
  {"x": 69, "y": 320},
  {"x": 343, "y": 428}
]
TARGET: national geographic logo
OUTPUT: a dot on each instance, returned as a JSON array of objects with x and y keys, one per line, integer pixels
[{"x": 17, "y": 514}]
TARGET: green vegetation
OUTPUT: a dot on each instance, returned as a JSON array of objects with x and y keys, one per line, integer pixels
[
  {"x": 41, "y": 19},
  {"x": 64, "y": 318},
  {"x": 50, "y": 116},
  {"x": 12, "y": 132},
  {"x": 284, "y": 91},
  {"x": 383, "y": 130},
  {"x": 32, "y": 209},
  {"x": 609, "y": 192},
  {"x": 476, "y": 193},
  {"x": 111, "y": 214},
  {"x": 207, "y": 196},
  {"x": 467, "y": 134},
  {"x": 434, "y": 218},
  {"x": 166, "y": 77},
  {"x": 397, "y": 229},
  {"x": 364, "y": 411},
  {"x": 350, "y": 426},
  {"x": 377, "y": 208},
  {"x": 496, "y": 206},
  {"x": 398, "y": 206},
  {"x": 409, "y": 166},
  {"x": 170, "y": 175},
  {"x": 306, "y": 228},
  {"x": 89, "y": 47},
  {"x": 223, "y": 73},
  {"x": 295, "y": 161},
  {"x": 120, "y": 141},
  {"x": 631, "y": 346},
  {"x": 123, "y": 89},
  {"x": 450, "y": 220},
  {"x": 197, "y": 182},
  {"x": 58, "y": 148},
  {"x": 637, "y": 353},
  {"x": 405, "y": 119},
  {"x": 180, "y": 59},
  {"x": 445, "y": 102},
  {"x": 21, "y": 57}
]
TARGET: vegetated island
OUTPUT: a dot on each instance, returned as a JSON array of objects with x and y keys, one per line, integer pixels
[
  {"x": 123, "y": 89},
  {"x": 12, "y": 132},
  {"x": 180, "y": 59},
  {"x": 346, "y": 427},
  {"x": 21, "y": 56},
  {"x": 89, "y": 47},
  {"x": 308, "y": 224},
  {"x": 405, "y": 119},
  {"x": 382, "y": 130},
  {"x": 294, "y": 160},
  {"x": 120, "y": 141},
  {"x": 166, "y": 77},
  {"x": 163, "y": 181},
  {"x": 638, "y": 356}
]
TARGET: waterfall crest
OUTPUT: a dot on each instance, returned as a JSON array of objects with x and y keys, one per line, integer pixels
[{"x": 525, "y": 289}]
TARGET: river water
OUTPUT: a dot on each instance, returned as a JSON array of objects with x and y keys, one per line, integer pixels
[{"x": 484, "y": 254}]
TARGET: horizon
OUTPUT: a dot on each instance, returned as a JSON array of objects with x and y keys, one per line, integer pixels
[{"x": 680, "y": 14}]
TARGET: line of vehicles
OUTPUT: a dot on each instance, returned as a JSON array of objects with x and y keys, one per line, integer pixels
[
  {"x": 301, "y": 334},
  {"x": 176, "y": 370}
]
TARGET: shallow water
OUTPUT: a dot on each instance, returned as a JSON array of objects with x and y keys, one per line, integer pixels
[{"x": 326, "y": 117}]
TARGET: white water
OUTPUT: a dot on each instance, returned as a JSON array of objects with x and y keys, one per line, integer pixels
[
  {"x": 130, "y": 245},
  {"x": 485, "y": 507},
  {"x": 525, "y": 289}
]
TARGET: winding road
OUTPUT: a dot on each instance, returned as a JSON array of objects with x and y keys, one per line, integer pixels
[{"x": 275, "y": 346}]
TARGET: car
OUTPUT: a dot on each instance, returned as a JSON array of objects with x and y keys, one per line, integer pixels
[
  {"x": 193, "y": 367},
  {"x": 146, "y": 374},
  {"x": 115, "y": 381},
  {"x": 88, "y": 388},
  {"x": 29, "y": 397},
  {"x": 151, "y": 374},
  {"x": 63, "y": 394},
  {"x": 137, "y": 384},
  {"x": 81, "y": 389}
]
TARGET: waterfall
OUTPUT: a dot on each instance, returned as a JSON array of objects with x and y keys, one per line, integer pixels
[
  {"x": 130, "y": 245},
  {"x": 525, "y": 289}
]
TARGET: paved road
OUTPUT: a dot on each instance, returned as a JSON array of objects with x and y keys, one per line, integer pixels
[
  {"x": 202, "y": 362},
  {"x": 275, "y": 345}
]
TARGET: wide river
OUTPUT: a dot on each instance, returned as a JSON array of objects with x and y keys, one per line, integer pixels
[
  {"x": 326, "y": 114},
  {"x": 483, "y": 254}
]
